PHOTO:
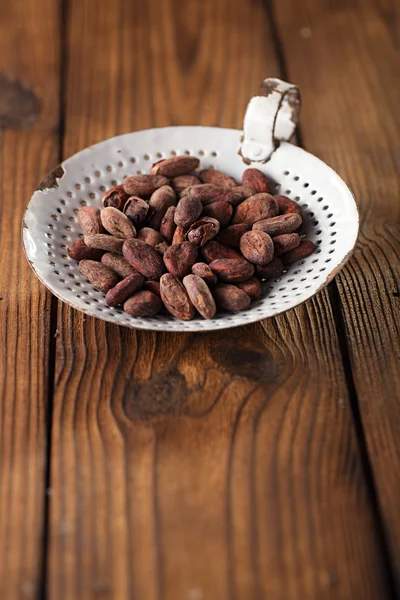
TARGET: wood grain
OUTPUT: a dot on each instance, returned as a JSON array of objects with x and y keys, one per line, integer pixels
[
  {"x": 29, "y": 88},
  {"x": 344, "y": 82},
  {"x": 197, "y": 466}
]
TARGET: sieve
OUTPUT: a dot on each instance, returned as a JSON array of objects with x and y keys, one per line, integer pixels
[{"x": 50, "y": 222}]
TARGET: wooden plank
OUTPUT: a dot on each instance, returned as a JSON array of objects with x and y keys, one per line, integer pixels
[
  {"x": 197, "y": 466},
  {"x": 346, "y": 83},
  {"x": 29, "y": 112}
]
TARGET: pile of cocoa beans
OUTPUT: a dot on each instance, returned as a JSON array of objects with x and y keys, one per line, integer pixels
[{"x": 188, "y": 241}]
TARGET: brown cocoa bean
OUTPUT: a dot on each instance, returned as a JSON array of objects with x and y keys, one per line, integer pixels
[
  {"x": 222, "y": 211},
  {"x": 255, "y": 179},
  {"x": 89, "y": 220},
  {"x": 175, "y": 166},
  {"x": 257, "y": 247},
  {"x": 175, "y": 298},
  {"x": 232, "y": 270},
  {"x": 168, "y": 225},
  {"x": 150, "y": 236},
  {"x": 202, "y": 231},
  {"x": 179, "y": 235},
  {"x": 182, "y": 182},
  {"x": 286, "y": 223},
  {"x": 200, "y": 295},
  {"x": 242, "y": 192},
  {"x": 153, "y": 286},
  {"x": 179, "y": 258},
  {"x": 162, "y": 247},
  {"x": 136, "y": 210},
  {"x": 118, "y": 264},
  {"x": 230, "y": 236},
  {"x": 79, "y": 251},
  {"x": 272, "y": 270},
  {"x": 143, "y": 304},
  {"x": 115, "y": 197},
  {"x": 124, "y": 289},
  {"x": 287, "y": 206},
  {"x": 211, "y": 175},
  {"x": 255, "y": 208},
  {"x": 159, "y": 203},
  {"x": 213, "y": 250},
  {"x": 116, "y": 223},
  {"x": 101, "y": 277},
  {"x": 304, "y": 249},
  {"x": 102, "y": 241},
  {"x": 208, "y": 193},
  {"x": 187, "y": 211},
  {"x": 285, "y": 242},
  {"x": 143, "y": 185},
  {"x": 203, "y": 270},
  {"x": 144, "y": 258},
  {"x": 230, "y": 297},
  {"x": 252, "y": 287}
]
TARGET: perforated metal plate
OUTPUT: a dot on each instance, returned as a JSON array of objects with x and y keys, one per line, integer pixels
[{"x": 50, "y": 222}]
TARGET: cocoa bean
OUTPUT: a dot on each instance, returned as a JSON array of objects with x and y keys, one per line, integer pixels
[
  {"x": 115, "y": 197},
  {"x": 102, "y": 241},
  {"x": 272, "y": 270},
  {"x": 211, "y": 175},
  {"x": 175, "y": 297},
  {"x": 168, "y": 226},
  {"x": 136, "y": 210},
  {"x": 202, "y": 231},
  {"x": 89, "y": 220},
  {"x": 143, "y": 185},
  {"x": 285, "y": 242},
  {"x": 144, "y": 258},
  {"x": 232, "y": 270},
  {"x": 252, "y": 287},
  {"x": 179, "y": 258},
  {"x": 304, "y": 249},
  {"x": 230, "y": 297},
  {"x": 257, "y": 247},
  {"x": 257, "y": 207},
  {"x": 208, "y": 193},
  {"x": 116, "y": 223},
  {"x": 175, "y": 166},
  {"x": 286, "y": 223},
  {"x": 179, "y": 235},
  {"x": 101, "y": 277},
  {"x": 118, "y": 264},
  {"x": 200, "y": 295},
  {"x": 187, "y": 211},
  {"x": 160, "y": 201},
  {"x": 153, "y": 286},
  {"x": 124, "y": 289},
  {"x": 222, "y": 211},
  {"x": 182, "y": 182},
  {"x": 242, "y": 192},
  {"x": 150, "y": 236},
  {"x": 230, "y": 236},
  {"x": 143, "y": 304},
  {"x": 287, "y": 206},
  {"x": 79, "y": 251},
  {"x": 213, "y": 250},
  {"x": 255, "y": 179},
  {"x": 203, "y": 270}
]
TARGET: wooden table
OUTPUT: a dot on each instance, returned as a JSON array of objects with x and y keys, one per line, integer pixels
[{"x": 194, "y": 467}]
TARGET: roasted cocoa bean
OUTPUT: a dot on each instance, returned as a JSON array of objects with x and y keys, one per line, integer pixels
[
  {"x": 230, "y": 236},
  {"x": 272, "y": 270},
  {"x": 286, "y": 223},
  {"x": 230, "y": 297},
  {"x": 257, "y": 207},
  {"x": 252, "y": 287},
  {"x": 179, "y": 258},
  {"x": 285, "y": 242},
  {"x": 203, "y": 270},
  {"x": 150, "y": 236},
  {"x": 124, "y": 289},
  {"x": 187, "y": 211},
  {"x": 116, "y": 223},
  {"x": 209, "y": 193},
  {"x": 101, "y": 277},
  {"x": 136, "y": 210},
  {"x": 287, "y": 206},
  {"x": 222, "y": 211},
  {"x": 304, "y": 249},
  {"x": 214, "y": 250},
  {"x": 202, "y": 231},
  {"x": 211, "y": 175},
  {"x": 200, "y": 295},
  {"x": 102, "y": 241},
  {"x": 175, "y": 166},
  {"x": 115, "y": 197},
  {"x": 160, "y": 201},
  {"x": 257, "y": 247},
  {"x": 242, "y": 192},
  {"x": 179, "y": 235},
  {"x": 143, "y": 304},
  {"x": 89, "y": 220},
  {"x": 144, "y": 258},
  {"x": 118, "y": 264},
  {"x": 182, "y": 182},
  {"x": 168, "y": 225},
  {"x": 143, "y": 185},
  {"x": 79, "y": 251},
  {"x": 232, "y": 270},
  {"x": 175, "y": 297},
  {"x": 153, "y": 286},
  {"x": 255, "y": 179}
]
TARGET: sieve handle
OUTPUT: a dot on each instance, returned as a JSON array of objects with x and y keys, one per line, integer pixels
[{"x": 270, "y": 118}]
